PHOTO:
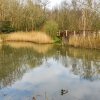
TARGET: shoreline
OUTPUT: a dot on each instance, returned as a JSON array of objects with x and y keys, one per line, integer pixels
[
  {"x": 42, "y": 38},
  {"x": 32, "y": 37}
]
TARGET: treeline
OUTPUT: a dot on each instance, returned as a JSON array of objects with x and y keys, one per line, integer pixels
[
  {"x": 29, "y": 15},
  {"x": 24, "y": 16}
]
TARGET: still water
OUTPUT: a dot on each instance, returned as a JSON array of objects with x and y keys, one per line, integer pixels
[{"x": 48, "y": 72}]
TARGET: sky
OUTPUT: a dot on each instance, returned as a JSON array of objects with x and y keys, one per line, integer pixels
[{"x": 54, "y": 3}]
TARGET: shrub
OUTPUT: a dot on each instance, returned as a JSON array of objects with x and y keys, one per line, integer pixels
[
  {"x": 51, "y": 28},
  {"x": 5, "y": 27}
]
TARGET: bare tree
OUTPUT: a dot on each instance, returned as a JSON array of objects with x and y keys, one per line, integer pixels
[{"x": 44, "y": 3}]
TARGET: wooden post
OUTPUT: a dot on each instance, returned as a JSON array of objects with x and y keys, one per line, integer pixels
[
  {"x": 74, "y": 33},
  {"x": 66, "y": 33}
]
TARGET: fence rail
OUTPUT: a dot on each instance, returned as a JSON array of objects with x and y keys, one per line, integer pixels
[{"x": 68, "y": 33}]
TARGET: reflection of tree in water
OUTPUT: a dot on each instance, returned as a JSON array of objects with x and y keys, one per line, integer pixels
[
  {"x": 86, "y": 69},
  {"x": 15, "y": 62},
  {"x": 85, "y": 63}
]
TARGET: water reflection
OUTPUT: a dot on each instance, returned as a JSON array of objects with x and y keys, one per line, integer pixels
[
  {"x": 37, "y": 47},
  {"x": 42, "y": 71},
  {"x": 85, "y": 63}
]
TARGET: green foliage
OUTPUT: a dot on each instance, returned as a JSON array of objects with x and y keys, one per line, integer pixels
[
  {"x": 5, "y": 27},
  {"x": 39, "y": 23},
  {"x": 51, "y": 27},
  {"x": 96, "y": 24},
  {"x": 57, "y": 40}
]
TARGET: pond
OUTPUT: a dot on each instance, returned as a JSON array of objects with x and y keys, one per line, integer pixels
[{"x": 48, "y": 72}]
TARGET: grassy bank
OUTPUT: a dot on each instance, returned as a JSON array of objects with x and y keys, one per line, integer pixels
[
  {"x": 89, "y": 41},
  {"x": 34, "y": 37}
]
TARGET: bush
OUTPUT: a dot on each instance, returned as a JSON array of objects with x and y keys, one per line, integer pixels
[
  {"x": 51, "y": 28},
  {"x": 5, "y": 27}
]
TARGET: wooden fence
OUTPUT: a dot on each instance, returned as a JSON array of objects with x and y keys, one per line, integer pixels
[{"x": 67, "y": 33}]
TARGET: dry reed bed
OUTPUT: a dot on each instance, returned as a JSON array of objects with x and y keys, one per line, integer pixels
[
  {"x": 34, "y": 37},
  {"x": 89, "y": 41},
  {"x": 0, "y": 38}
]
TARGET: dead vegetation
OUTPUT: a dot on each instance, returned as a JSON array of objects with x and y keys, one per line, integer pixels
[
  {"x": 89, "y": 41},
  {"x": 34, "y": 37}
]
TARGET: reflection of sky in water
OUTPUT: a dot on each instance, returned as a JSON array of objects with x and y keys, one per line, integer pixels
[{"x": 47, "y": 80}]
